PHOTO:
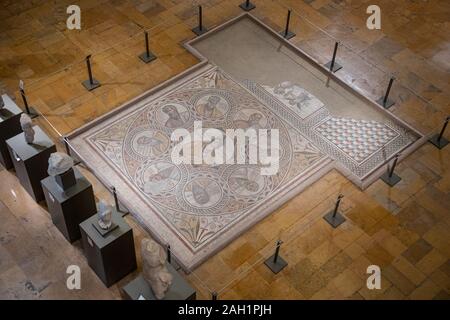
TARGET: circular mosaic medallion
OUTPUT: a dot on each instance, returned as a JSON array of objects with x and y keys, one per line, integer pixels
[
  {"x": 212, "y": 104},
  {"x": 246, "y": 181},
  {"x": 172, "y": 115},
  {"x": 146, "y": 142},
  {"x": 158, "y": 177},
  {"x": 202, "y": 192},
  {"x": 249, "y": 118}
]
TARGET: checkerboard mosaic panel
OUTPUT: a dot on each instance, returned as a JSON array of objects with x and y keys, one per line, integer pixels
[{"x": 359, "y": 139}]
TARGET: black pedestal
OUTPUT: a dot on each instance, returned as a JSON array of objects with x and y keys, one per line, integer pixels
[
  {"x": 392, "y": 180},
  {"x": 68, "y": 208},
  {"x": 199, "y": 31},
  {"x": 275, "y": 266},
  {"x": 336, "y": 66},
  {"x": 335, "y": 221},
  {"x": 438, "y": 143},
  {"x": 147, "y": 58},
  {"x": 9, "y": 127},
  {"x": 139, "y": 289},
  {"x": 287, "y": 36},
  {"x": 31, "y": 160},
  {"x": 66, "y": 179},
  {"x": 244, "y": 6},
  {"x": 90, "y": 86},
  {"x": 111, "y": 257}
]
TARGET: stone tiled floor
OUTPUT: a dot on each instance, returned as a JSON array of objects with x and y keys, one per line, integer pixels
[{"x": 402, "y": 229}]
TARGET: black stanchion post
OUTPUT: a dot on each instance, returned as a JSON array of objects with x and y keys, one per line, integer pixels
[
  {"x": 247, "y": 5},
  {"x": 116, "y": 203},
  {"x": 200, "y": 29},
  {"x": 389, "y": 177},
  {"x": 147, "y": 56},
  {"x": 275, "y": 262},
  {"x": 91, "y": 83},
  {"x": 438, "y": 140},
  {"x": 333, "y": 65},
  {"x": 30, "y": 111},
  {"x": 287, "y": 34},
  {"x": 385, "y": 102},
  {"x": 334, "y": 218},
  {"x": 169, "y": 254},
  {"x": 171, "y": 261},
  {"x": 214, "y": 296}
]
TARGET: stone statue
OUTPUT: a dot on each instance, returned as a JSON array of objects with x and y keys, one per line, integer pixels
[
  {"x": 59, "y": 163},
  {"x": 154, "y": 267},
  {"x": 104, "y": 215},
  {"x": 27, "y": 128}
]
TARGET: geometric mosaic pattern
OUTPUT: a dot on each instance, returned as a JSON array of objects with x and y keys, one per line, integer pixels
[
  {"x": 357, "y": 138},
  {"x": 196, "y": 208},
  {"x": 361, "y": 146}
]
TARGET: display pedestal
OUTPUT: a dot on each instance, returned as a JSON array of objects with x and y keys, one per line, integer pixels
[
  {"x": 179, "y": 290},
  {"x": 31, "y": 160},
  {"x": 112, "y": 256},
  {"x": 68, "y": 208},
  {"x": 9, "y": 127}
]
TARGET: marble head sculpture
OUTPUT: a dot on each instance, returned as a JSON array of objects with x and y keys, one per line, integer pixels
[
  {"x": 58, "y": 163},
  {"x": 104, "y": 215},
  {"x": 27, "y": 128},
  {"x": 154, "y": 267}
]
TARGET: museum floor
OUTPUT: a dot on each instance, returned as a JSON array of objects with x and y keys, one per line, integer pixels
[{"x": 403, "y": 229}]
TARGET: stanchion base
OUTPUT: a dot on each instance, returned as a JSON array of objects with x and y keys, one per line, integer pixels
[
  {"x": 244, "y": 7},
  {"x": 32, "y": 113},
  {"x": 147, "y": 58},
  {"x": 336, "y": 66},
  {"x": 389, "y": 103},
  {"x": 199, "y": 31},
  {"x": 276, "y": 267},
  {"x": 287, "y": 36},
  {"x": 91, "y": 86},
  {"x": 335, "y": 221},
  {"x": 123, "y": 212},
  {"x": 438, "y": 143},
  {"x": 391, "y": 181}
]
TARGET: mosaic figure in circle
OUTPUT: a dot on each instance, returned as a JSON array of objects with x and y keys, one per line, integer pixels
[
  {"x": 212, "y": 106},
  {"x": 202, "y": 192},
  {"x": 249, "y": 118},
  {"x": 246, "y": 181},
  {"x": 253, "y": 120},
  {"x": 173, "y": 115},
  {"x": 159, "y": 177},
  {"x": 149, "y": 142}
]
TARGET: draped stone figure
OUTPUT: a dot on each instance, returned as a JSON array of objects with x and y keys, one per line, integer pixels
[
  {"x": 27, "y": 128},
  {"x": 154, "y": 267}
]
